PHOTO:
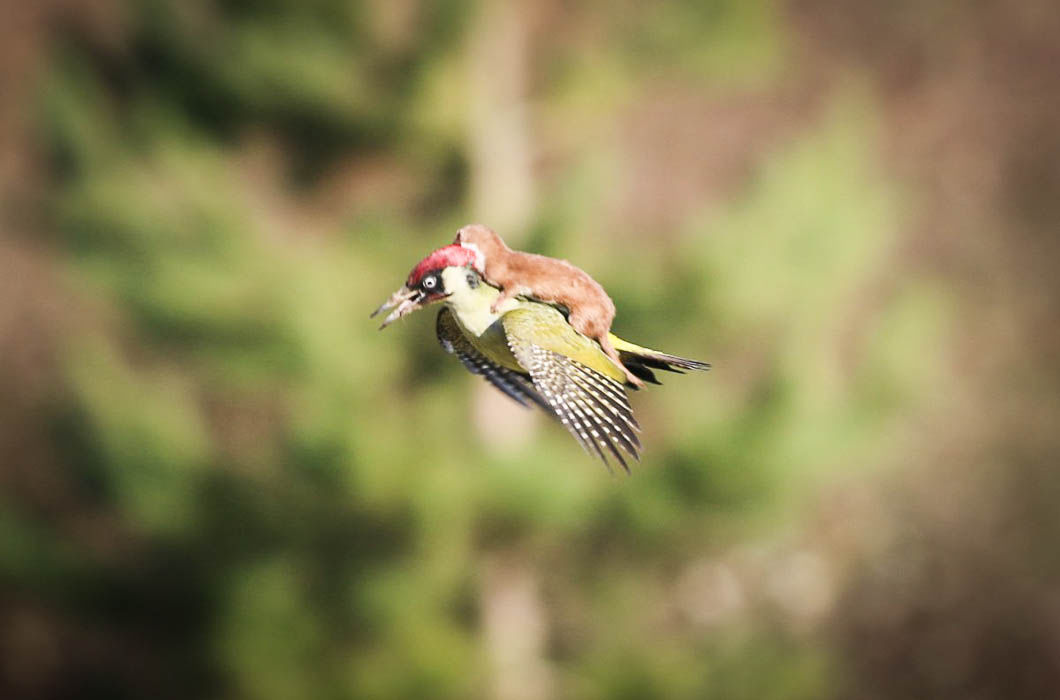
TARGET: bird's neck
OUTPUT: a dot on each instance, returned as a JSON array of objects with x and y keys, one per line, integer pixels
[{"x": 472, "y": 305}]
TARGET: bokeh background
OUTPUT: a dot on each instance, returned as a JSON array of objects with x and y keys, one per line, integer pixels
[{"x": 217, "y": 480}]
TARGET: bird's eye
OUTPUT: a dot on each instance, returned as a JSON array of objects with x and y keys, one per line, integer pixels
[{"x": 430, "y": 283}]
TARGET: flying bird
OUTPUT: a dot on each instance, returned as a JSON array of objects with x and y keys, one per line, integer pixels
[{"x": 529, "y": 351}]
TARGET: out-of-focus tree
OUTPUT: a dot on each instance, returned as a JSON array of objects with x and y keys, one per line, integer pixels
[{"x": 216, "y": 479}]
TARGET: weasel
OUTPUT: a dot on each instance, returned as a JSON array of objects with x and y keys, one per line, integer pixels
[{"x": 590, "y": 310}]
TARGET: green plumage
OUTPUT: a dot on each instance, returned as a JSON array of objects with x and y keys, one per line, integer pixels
[{"x": 528, "y": 351}]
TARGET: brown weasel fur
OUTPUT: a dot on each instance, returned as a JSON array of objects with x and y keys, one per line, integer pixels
[{"x": 591, "y": 311}]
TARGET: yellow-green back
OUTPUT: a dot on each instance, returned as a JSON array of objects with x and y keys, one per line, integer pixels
[{"x": 520, "y": 321}]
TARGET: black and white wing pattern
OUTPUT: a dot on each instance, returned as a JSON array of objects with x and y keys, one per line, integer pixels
[
  {"x": 593, "y": 408},
  {"x": 514, "y": 385}
]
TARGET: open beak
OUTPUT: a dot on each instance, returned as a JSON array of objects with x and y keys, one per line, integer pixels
[{"x": 404, "y": 301}]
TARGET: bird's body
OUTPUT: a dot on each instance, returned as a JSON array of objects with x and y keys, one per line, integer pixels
[
  {"x": 529, "y": 350},
  {"x": 474, "y": 310}
]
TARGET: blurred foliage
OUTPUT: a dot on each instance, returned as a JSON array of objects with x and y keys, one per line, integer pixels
[{"x": 272, "y": 500}]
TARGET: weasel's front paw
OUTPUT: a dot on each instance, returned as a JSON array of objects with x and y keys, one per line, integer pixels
[{"x": 494, "y": 306}]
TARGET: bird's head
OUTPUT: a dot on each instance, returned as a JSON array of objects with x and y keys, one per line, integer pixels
[{"x": 428, "y": 282}]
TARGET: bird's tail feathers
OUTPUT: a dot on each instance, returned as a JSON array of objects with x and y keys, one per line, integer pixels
[{"x": 641, "y": 361}]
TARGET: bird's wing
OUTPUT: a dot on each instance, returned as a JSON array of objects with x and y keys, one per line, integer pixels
[
  {"x": 512, "y": 384},
  {"x": 592, "y": 406},
  {"x": 550, "y": 330}
]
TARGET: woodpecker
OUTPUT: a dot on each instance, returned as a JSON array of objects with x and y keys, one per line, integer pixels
[
  {"x": 590, "y": 310},
  {"x": 529, "y": 351}
]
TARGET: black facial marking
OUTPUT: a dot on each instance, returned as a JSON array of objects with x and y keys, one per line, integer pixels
[
  {"x": 431, "y": 283},
  {"x": 472, "y": 279}
]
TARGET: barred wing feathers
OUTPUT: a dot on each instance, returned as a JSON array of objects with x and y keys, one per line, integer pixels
[
  {"x": 593, "y": 407},
  {"x": 514, "y": 385}
]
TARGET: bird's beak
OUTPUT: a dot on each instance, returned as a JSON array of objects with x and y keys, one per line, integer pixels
[{"x": 406, "y": 300}]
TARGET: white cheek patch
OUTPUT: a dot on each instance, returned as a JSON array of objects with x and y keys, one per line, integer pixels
[{"x": 480, "y": 259}]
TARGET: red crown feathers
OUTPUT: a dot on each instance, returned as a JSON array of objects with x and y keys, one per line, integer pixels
[{"x": 450, "y": 256}]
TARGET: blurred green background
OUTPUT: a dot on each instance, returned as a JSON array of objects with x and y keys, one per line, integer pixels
[{"x": 217, "y": 480}]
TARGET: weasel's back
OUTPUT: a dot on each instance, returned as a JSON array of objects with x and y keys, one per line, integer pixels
[{"x": 557, "y": 281}]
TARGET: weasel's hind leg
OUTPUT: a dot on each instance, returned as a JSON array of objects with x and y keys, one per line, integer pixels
[
  {"x": 596, "y": 326},
  {"x": 609, "y": 350}
]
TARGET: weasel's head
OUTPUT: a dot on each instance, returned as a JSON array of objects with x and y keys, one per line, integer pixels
[{"x": 482, "y": 241}]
